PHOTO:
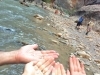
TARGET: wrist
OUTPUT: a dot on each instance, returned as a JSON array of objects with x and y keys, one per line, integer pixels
[{"x": 8, "y": 57}]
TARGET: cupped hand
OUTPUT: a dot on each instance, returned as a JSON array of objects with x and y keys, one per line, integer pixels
[
  {"x": 58, "y": 69},
  {"x": 41, "y": 67},
  {"x": 28, "y": 53},
  {"x": 76, "y": 68}
]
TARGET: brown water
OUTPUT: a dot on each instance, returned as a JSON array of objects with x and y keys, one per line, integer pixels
[{"x": 18, "y": 25}]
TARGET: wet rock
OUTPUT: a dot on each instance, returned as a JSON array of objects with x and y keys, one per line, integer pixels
[
  {"x": 90, "y": 39},
  {"x": 22, "y": 42},
  {"x": 59, "y": 34},
  {"x": 41, "y": 48},
  {"x": 83, "y": 54},
  {"x": 98, "y": 45},
  {"x": 45, "y": 29},
  {"x": 23, "y": 3},
  {"x": 48, "y": 24},
  {"x": 5, "y": 29},
  {"x": 39, "y": 17},
  {"x": 64, "y": 42},
  {"x": 97, "y": 60},
  {"x": 54, "y": 41},
  {"x": 81, "y": 47},
  {"x": 98, "y": 65}
]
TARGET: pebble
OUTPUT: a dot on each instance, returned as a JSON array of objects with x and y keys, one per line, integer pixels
[
  {"x": 83, "y": 54},
  {"x": 55, "y": 41}
]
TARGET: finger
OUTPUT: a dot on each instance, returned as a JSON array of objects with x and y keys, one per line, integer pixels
[
  {"x": 46, "y": 70},
  {"x": 82, "y": 68},
  {"x": 74, "y": 63},
  {"x": 63, "y": 72},
  {"x": 49, "y": 71},
  {"x": 78, "y": 65},
  {"x": 71, "y": 65},
  {"x": 35, "y": 46},
  {"x": 48, "y": 52},
  {"x": 53, "y": 56},
  {"x": 53, "y": 71},
  {"x": 59, "y": 69},
  {"x": 56, "y": 67},
  {"x": 68, "y": 73},
  {"x": 40, "y": 62},
  {"x": 47, "y": 63}
]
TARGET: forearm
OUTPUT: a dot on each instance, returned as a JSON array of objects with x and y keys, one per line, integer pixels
[{"x": 8, "y": 57}]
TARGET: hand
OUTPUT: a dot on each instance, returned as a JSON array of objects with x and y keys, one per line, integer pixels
[
  {"x": 58, "y": 69},
  {"x": 27, "y": 53},
  {"x": 42, "y": 67},
  {"x": 76, "y": 68}
]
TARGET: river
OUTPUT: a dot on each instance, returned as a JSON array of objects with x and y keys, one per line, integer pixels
[{"x": 17, "y": 25}]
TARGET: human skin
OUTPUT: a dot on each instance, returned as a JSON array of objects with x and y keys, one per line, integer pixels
[
  {"x": 44, "y": 65},
  {"x": 25, "y": 54},
  {"x": 76, "y": 68}
]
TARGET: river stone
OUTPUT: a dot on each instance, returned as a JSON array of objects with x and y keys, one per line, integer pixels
[
  {"x": 55, "y": 41},
  {"x": 59, "y": 34},
  {"x": 83, "y": 54},
  {"x": 38, "y": 16},
  {"x": 81, "y": 47},
  {"x": 91, "y": 40},
  {"x": 97, "y": 60},
  {"x": 98, "y": 45}
]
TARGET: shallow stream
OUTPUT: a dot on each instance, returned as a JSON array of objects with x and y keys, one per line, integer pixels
[{"x": 18, "y": 25}]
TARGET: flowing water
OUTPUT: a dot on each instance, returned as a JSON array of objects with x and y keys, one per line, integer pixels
[{"x": 18, "y": 25}]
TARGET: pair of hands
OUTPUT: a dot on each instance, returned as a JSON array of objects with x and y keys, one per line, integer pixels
[
  {"x": 44, "y": 61},
  {"x": 49, "y": 66},
  {"x": 29, "y": 53}
]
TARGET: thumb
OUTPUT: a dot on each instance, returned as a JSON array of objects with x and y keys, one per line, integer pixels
[{"x": 35, "y": 46}]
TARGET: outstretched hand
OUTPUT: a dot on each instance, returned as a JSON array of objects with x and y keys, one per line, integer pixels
[
  {"x": 28, "y": 53},
  {"x": 76, "y": 68},
  {"x": 42, "y": 67}
]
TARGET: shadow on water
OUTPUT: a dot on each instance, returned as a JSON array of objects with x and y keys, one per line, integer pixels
[{"x": 18, "y": 27}]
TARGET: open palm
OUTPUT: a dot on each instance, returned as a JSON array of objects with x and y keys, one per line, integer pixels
[
  {"x": 76, "y": 68},
  {"x": 28, "y": 53}
]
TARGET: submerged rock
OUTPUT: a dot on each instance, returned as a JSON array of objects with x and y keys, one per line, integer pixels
[
  {"x": 39, "y": 17},
  {"x": 54, "y": 41}
]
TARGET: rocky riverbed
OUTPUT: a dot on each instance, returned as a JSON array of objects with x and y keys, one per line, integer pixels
[{"x": 87, "y": 47}]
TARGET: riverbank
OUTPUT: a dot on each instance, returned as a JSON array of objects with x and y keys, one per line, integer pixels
[{"x": 87, "y": 47}]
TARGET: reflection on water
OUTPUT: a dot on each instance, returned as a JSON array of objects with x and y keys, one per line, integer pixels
[{"x": 17, "y": 25}]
